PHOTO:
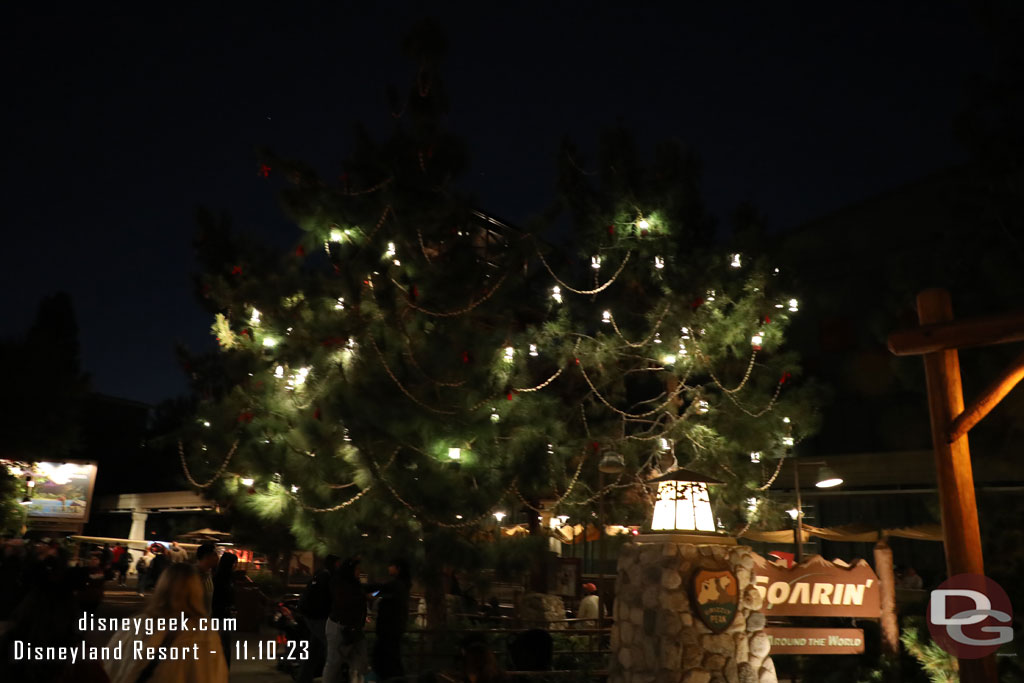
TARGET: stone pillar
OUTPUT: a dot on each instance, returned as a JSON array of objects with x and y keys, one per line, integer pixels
[
  {"x": 658, "y": 638},
  {"x": 138, "y": 531}
]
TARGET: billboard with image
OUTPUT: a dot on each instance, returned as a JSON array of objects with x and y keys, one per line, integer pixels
[{"x": 59, "y": 491}]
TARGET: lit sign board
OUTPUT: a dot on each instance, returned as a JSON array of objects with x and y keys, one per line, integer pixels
[
  {"x": 59, "y": 491},
  {"x": 818, "y": 588}
]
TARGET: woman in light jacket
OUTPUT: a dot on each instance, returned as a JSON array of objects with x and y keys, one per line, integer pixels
[{"x": 179, "y": 591}]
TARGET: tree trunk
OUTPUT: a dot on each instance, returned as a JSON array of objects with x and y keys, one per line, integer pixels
[{"x": 889, "y": 622}]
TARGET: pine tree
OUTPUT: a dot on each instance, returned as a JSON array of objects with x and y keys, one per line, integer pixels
[{"x": 413, "y": 367}]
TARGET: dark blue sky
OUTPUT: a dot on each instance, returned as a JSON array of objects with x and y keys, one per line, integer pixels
[{"x": 120, "y": 123}]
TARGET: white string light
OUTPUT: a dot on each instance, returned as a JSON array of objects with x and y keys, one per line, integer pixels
[
  {"x": 606, "y": 317},
  {"x": 510, "y": 354},
  {"x": 659, "y": 262},
  {"x": 339, "y": 305},
  {"x": 556, "y": 293},
  {"x": 269, "y": 342},
  {"x": 794, "y": 305},
  {"x": 279, "y": 371},
  {"x": 643, "y": 224},
  {"x": 255, "y": 319},
  {"x": 533, "y": 350},
  {"x": 756, "y": 341},
  {"x": 735, "y": 262},
  {"x": 755, "y": 456},
  {"x": 595, "y": 262}
]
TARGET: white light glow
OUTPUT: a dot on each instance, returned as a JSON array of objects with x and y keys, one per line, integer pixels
[
  {"x": 510, "y": 354},
  {"x": 391, "y": 249},
  {"x": 794, "y": 305},
  {"x": 339, "y": 305},
  {"x": 295, "y": 489},
  {"x": 683, "y": 506},
  {"x": 279, "y": 371},
  {"x": 499, "y": 515},
  {"x": 755, "y": 456},
  {"x": 336, "y": 236},
  {"x": 255, "y": 317},
  {"x": 757, "y": 340},
  {"x": 606, "y": 316},
  {"x": 595, "y": 262},
  {"x": 643, "y": 224},
  {"x": 734, "y": 261},
  {"x": 829, "y": 483},
  {"x": 556, "y": 293},
  {"x": 668, "y": 359},
  {"x": 664, "y": 444},
  {"x": 533, "y": 350},
  {"x": 269, "y": 342},
  {"x": 657, "y": 337},
  {"x": 248, "y": 481},
  {"x": 702, "y": 406},
  {"x": 455, "y": 453},
  {"x": 787, "y": 441},
  {"x": 793, "y": 513},
  {"x": 659, "y": 262}
]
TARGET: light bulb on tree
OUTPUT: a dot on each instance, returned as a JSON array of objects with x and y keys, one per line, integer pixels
[
  {"x": 454, "y": 453},
  {"x": 247, "y": 481},
  {"x": 556, "y": 293},
  {"x": 668, "y": 359},
  {"x": 595, "y": 262},
  {"x": 787, "y": 441},
  {"x": 659, "y": 262},
  {"x": 664, "y": 444},
  {"x": 756, "y": 341},
  {"x": 269, "y": 342},
  {"x": 336, "y": 236},
  {"x": 255, "y": 318},
  {"x": 702, "y": 406},
  {"x": 657, "y": 337},
  {"x": 606, "y": 317},
  {"x": 339, "y": 305},
  {"x": 499, "y": 515},
  {"x": 735, "y": 262},
  {"x": 279, "y": 371},
  {"x": 510, "y": 354},
  {"x": 755, "y": 456},
  {"x": 794, "y": 305},
  {"x": 390, "y": 251},
  {"x": 643, "y": 224},
  {"x": 533, "y": 350}
]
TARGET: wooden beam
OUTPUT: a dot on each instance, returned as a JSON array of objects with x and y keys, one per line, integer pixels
[
  {"x": 960, "y": 529},
  {"x": 929, "y": 338},
  {"x": 988, "y": 400}
]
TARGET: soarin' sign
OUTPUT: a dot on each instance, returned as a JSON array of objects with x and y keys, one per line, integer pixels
[{"x": 817, "y": 588}]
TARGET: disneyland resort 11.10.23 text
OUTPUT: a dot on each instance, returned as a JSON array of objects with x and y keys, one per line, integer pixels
[{"x": 139, "y": 626}]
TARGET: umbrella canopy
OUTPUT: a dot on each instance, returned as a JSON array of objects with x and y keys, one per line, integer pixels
[{"x": 208, "y": 533}]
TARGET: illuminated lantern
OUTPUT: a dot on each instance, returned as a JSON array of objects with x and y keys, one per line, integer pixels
[{"x": 683, "y": 502}]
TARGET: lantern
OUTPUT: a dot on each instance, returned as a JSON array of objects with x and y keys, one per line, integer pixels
[
  {"x": 611, "y": 463},
  {"x": 683, "y": 503}
]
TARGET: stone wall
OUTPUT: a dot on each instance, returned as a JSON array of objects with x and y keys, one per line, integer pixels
[{"x": 657, "y": 638}]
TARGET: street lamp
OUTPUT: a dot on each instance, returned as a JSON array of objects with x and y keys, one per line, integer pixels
[
  {"x": 683, "y": 502},
  {"x": 827, "y": 478}
]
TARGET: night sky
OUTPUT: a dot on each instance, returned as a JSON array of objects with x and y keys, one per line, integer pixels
[{"x": 121, "y": 123}]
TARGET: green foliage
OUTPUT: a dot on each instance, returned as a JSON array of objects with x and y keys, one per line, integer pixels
[
  {"x": 12, "y": 512},
  {"x": 405, "y": 324},
  {"x": 939, "y": 665}
]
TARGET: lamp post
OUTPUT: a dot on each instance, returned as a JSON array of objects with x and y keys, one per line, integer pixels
[
  {"x": 683, "y": 507},
  {"x": 826, "y": 478}
]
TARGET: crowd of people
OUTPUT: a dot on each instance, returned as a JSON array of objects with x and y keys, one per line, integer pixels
[{"x": 44, "y": 596}]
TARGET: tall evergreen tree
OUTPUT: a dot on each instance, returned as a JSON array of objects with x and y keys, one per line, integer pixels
[{"x": 412, "y": 367}]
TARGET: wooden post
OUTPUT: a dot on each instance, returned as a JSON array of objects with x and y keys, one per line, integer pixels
[
  {"x": 887, "y": 591},
  {"x": 960, "y": 528}
]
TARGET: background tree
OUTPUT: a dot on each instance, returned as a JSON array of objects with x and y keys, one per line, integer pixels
[
  {"x": 41, "y": 405},
  {"x": 413, "y": 367}
]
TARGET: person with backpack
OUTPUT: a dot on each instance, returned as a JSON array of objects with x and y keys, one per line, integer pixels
[{"x": 314, "y": 608}]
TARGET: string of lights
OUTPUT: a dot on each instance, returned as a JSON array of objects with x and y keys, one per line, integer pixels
[
  {"x": 461, "y": 311},
  {"x": 216, "y": 475},
  {"x": 587, "y": 292},
  {"x": 401, "y": 387}
]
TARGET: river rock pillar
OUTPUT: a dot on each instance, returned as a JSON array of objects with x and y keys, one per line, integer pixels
[{"x": 658, "y": 635}]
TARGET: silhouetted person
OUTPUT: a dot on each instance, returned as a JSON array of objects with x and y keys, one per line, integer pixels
[
  {"x": 224, "y": 597},
  {"x": 392, "y": 617},
  {"x": 206, "y": 562},
  {"x": 314, "y": 608},
  {"x": 346, "y": 641}
]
